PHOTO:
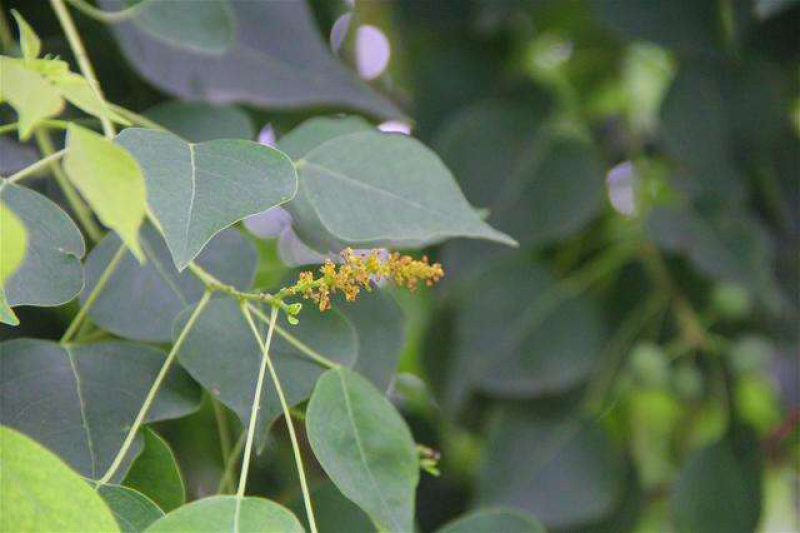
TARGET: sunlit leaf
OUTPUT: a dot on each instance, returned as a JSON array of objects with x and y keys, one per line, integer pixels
[
  {"x": 258, "y": 69},
  {"x": 80, "y": 400},
  {"x": 50, "y": 272},
  {"x": 110, "y": 180},
  {"x": 38, "y": 492},
  {"x": 155, "y": 473},
  {"x": 13, "y": 239},
  {"x": 31, "y": 96},
  {"x": 133, "y": 510},
  {"x": 197, "y": 190},
  {"x": 140, "y": 301},
  {"x": 256, "y": 515},
  {"x": 365, "y": 447},
  {"x": 28, "y": 40}
]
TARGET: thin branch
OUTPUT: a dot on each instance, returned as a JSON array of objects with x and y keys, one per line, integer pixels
[
  {"x": 36, "y": 167},
  {"x": 98, "y": 288},
  {"x": 108, "y": 17},
  {"x": 226, "y": 481},
  {"x": 286, "y": 413},
  {"x": 151, "y": 394}
]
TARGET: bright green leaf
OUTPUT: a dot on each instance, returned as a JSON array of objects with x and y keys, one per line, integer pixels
[
  {"x": 50, "y": 272},
  {"x": 28, "y": 40},
  {"x": 31, "y": 96},
  {"x": 215, "y": 514},
  {"x": 494, "y": 521},
  {"x": 133, "y": 510},
  {"x": 365, "y": 447},
  {"x": 155, "y": 473},
  {"x": 197, "y": 190},
  {"x": 110, "y": 180},
  {"x": 76, "y": 89},
  {"x": 38, "y": 492},
  {"x": 80, "y": 400},
  {"x": 13, "y": 239},
  {"x": 140, "y": 301},
  {"x": 375, "y": 189}
]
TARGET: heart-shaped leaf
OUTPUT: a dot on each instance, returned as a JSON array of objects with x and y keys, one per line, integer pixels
[
  {"x": 51, "y": 271},
  {"x": 365, "y": 447},
  {"x": 217, "y": 513},
  {"x": 559, "y": 467},
  {"x": 494, "y": 521},
  {"x": 110, "y": 180},
  {"x": 197, "y": 190},
  {"x": 41, "y": 493},
  {"x": 155, "y": 473},
  {"x": 80, "y": 400},
  {"x": 258, "y": 69},
  {"x": 207, "y": 27},
  {"x": 140, "y": 301},
  {"x": 132, "y": 510},
  {"x": 375, "y": 189}
]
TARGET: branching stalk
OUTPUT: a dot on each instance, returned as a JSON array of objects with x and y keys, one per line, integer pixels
[
  {"x": 151, "y": 395},
  {"x": 267, "y": 361}
]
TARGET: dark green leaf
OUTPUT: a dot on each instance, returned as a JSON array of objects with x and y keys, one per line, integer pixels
[
  {"x": 51, "y": 271},
  {"x": 41, "y": 493},
  {"x": 215, "y": 514},
  {"x": 365, "y": 447},
  {"x": 333, "y": 512},
  {"x": 133, "y": 510},
  {"x": 199, "y": 122},
  {"x": 494, "y": 521},
  {"x": 259, "y": 69},
  {"x": 197, "y": 190},
  {"x": 563, "y": 469},
  {"x": 140, "y": 301},
  {"x": 155, "y": 473},
  {"x": 80, "y": 400},
  {"x": 207, "y": 27}
]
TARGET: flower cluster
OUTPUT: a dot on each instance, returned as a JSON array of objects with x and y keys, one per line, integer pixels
[{"x": 357, "y": 271}]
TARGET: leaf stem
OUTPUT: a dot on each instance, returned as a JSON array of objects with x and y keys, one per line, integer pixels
[
  {"x": 76, "y": 44},
  {"x": 286, "y": 414},
  {"x": 77, "y": 204},
  {"x": 230, "y": 462},
  {"x": 294, "y": 341},
  {"x": 37, "y": 166},
  {"x": 222, "y": 428},
  {"x": 46, "y": 123},
  {"x": 108, "y": 17},
  {"x": 101, "y": 283},
  {"x": 151, "y": 394}
]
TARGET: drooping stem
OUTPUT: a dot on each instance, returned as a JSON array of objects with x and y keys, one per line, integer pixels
[
  {"x": 98, "y": 288},
  {"x": 286, "y": 414},
  {"x": 294, "y": 341},
  {"x": 77, "y": 204},
  {"x": 76, "y": 44},
  {"x": 226, "y": 481},
  {"x": 151, "y": 394},
  {"x": 36, "y": 167},
  {"x": 222, "y": 428}
]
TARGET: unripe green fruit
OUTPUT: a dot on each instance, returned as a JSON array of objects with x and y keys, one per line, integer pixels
[
  {"x": 731, "y": 301},
  {"x": 649, "y": 364}
]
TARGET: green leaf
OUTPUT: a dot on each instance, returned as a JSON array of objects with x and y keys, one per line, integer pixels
[
  {"x": 719, "y": 489},
  {"x": 155, "y": 473},
  {"x": 561, "y": 468},
  {"x": 197, "y": 190},
  {"x": 333, "y": 512},
  {"x": 50, "y": 272},
  {"x": 28, "y": 40},
  {"x": 76, "y": 89},
  {"x": 13, "y": 242},
  {"x": 528, "y": 338},
  {"x": 38, "y": 492},
  {"x": 315, "y": 131},
  {"x": 31, "y": 96},
  {"x": 365, "y": 447},
  {"x": 494, "y": 521},
  {"x": 133, "y": 510},
  {"x": 140, "y": 301},
  {"x": 199, "y": 121},
  {"x": 259, "y": 68},
  {"x": 543, "y": 186},
  {"x": 110, "y": 180},
  {"x": 214, "y": 514},
  {"x": 375, "y": 189},
  {"x": 80, "y": 400},
  {"x": 207, "y": 27}
]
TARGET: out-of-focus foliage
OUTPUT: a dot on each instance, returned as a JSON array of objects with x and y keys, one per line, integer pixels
[{"x": 631, "y": 366}]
